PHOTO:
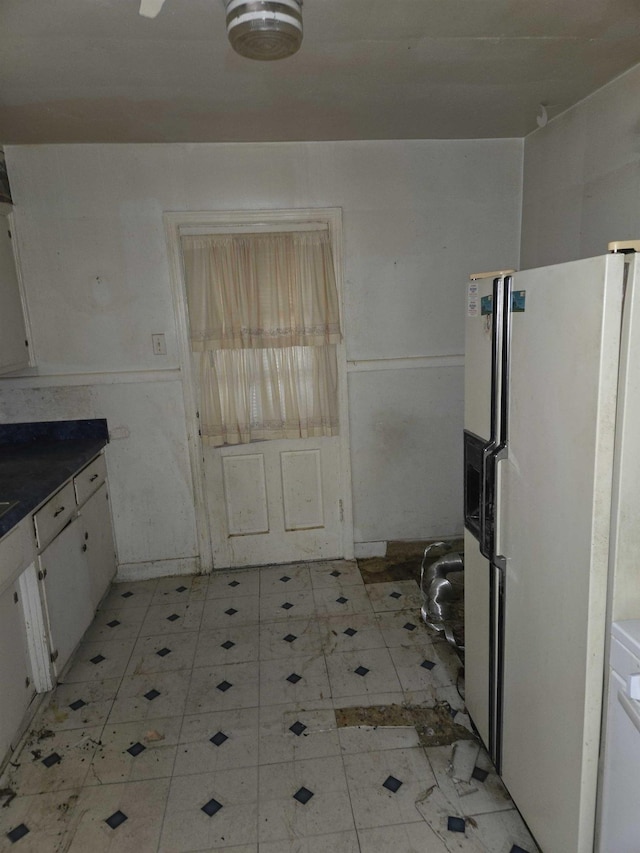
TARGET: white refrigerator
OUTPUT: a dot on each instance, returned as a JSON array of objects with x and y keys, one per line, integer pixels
[{"x": 552, "y": 524}]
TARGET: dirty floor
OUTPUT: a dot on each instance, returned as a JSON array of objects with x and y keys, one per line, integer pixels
[{"x": 289, "y": 709}]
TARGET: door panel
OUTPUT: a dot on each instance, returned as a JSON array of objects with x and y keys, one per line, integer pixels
[
  {"x": 302, "y": 489},
  {"x": 554, "y": 530},
  {"x": 245, "y": 494}
]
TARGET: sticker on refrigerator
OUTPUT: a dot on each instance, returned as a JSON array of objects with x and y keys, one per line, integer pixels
[
  {"x": 486, "y": 305},
  {"x": 472, "y": 299}
]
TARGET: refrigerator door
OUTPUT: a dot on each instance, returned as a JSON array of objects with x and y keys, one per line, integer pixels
[
  {"x": 553, "y": 527},
  {"x": 482, "y": 380}
]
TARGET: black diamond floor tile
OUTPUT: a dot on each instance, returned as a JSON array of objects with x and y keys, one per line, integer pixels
[
  {"x": 113, "y": 623},
  {"x": 116, "y": 819},
  {"x": 181, "y": 589},
  {"x": 285, "y": 578},
  {"x": 17, "y": 833},
  {"x": 479, "y": 774},
  {"x": 361, "y": 670},
  {"x": 51, "y": 760},
  {"x": 342, "y": 600},
  {"x": 350, "y": 632},
  {"x": 98, "y": 659},
  {"x": 427, "y": 664},
  {"x": 151, "y": 695},
  {"x": 297, "y": 728},
  {"x": 516, "y": 849},
  {"x": 218, "y": 739},
  {"x": 173, "y": 617},
  {"x": 136, "y": 749},
  {"x": 79, "y": 703},
  {"x": 294, "y": 678},
  {"x": 162, "y": 653},
  {"x": 290, "y": 638},
  {"x": 303, "y": 795},
  {"x": 392, "y": 784},
  {"x": 212, "y": 807},
  {"x": 234, "y": 584},
  {"x": 335, "y": 573},
  {"x": 228, "y": 645},
  {"x": 287, "y": 605},
  {"x": 395, "y": 595},
  {"x": 127, "y": 594},
  {"x": 224, "y": 686},
  {"x": 231, "y": 611},
  {"x": 409, "y": 626},
  {"x": 455, "y": 824}
]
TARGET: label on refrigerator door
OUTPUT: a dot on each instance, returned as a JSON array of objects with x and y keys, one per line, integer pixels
[{"x": 472, "y": 299}]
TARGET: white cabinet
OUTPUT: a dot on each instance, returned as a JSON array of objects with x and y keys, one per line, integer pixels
[
  {"x": 98, "y": 541},
  {"x": 15, "y": 669},
  {"x": 14, "y": 352},
  {"x": 67, "y": 593},
  {"x": 77, "y": 560}
]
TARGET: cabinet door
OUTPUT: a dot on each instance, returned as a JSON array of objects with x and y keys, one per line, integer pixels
[
  {"x": 15, "y": 670},
  {"x": 67, "y": 592},
  {"x": 13, "y": 350},
  {"x": 98, "y": 537}
]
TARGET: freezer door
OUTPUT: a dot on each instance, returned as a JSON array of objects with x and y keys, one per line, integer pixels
[{"x": 553, "y": 527}]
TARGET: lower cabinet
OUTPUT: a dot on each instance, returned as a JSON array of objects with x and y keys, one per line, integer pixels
[
  {"x": 67, "y": 591},
  {"x": 100, "y": 555},
  {"x": 15, "y": 669}
]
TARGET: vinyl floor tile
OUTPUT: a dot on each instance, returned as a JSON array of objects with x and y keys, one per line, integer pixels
[
  {"x": 373, "y": 738},
  {"x": 172, "y": 618},
  {"x": 296, "y": 734},
  {"x": 287, "y": 604},
  {"x": 219, "y": 688},
  {"x": 53, "y": 763},
  {"x": 122, "y": 624},
  {"x": 296, "y": 680},
  {"x": 99, "y": 661},
  {"x": 276, "y": 580},
  {"x": 163, "y": 653},
  {"x": 223, "y": 740},
  {"x": 348, "y": 633},
  {"x": 234, "y": 584},
  {"x": 150, "y": 697},
  {"x": 47, "y": 819},
  {"x": 370, "y": 776},
  {"x": 479, "y": 796},
  {"x": 230, "y": 612},
  {"x": 397, "y": 595},
  {"x": 342, "y": 600},
  {"x": 129, "y": 752},
  {"x": 232, "y": 644},
  {"x": 335, "y": 574},
  {"x": 402, "y": 838},
  {"x": 282, "y": 817},
  {"x": 180, "y": 589},
  {"x": 232, "y": 795},
  {"x": 77, "y": 705},
  {"x": 362, "y": 672},
  {"x": 290, "y": 638},
  {"x": 339, "y": 842},
  {"x": 142, "y": 805}
]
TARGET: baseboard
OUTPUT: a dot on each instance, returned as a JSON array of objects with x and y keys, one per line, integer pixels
[
  {"x": 363, "y": 550},
  {"x": 157, "y": 569}
]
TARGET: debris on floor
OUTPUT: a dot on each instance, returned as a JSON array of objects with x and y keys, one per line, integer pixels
[{"x": 435, "y": 726}]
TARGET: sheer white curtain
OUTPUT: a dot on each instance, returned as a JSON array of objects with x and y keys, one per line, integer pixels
[{"x": 264, "y": 317}]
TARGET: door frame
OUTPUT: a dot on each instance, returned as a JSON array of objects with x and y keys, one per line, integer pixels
[{"x": 252, "y": 221}]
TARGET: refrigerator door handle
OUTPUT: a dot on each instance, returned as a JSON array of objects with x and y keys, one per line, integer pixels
[{"x": 488, "y": 472}]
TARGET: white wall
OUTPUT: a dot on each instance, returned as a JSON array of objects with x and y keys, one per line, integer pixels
[
  {"x": 418, "y": 217},
  {"x": 582, "y": 177}
]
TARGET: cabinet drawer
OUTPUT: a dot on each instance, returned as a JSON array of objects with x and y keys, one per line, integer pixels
[
  {"x": 90, "y": 479},
  {"x": 53, "y": 516}
]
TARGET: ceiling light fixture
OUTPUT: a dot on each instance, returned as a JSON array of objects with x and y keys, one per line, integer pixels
[{"x": 264, "y": 29}]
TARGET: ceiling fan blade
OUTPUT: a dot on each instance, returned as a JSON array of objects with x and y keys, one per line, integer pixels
[{"x": 150, "y": 8}]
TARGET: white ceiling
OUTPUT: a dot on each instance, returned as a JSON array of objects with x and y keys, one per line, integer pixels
[{"x": 95, "y": 71}]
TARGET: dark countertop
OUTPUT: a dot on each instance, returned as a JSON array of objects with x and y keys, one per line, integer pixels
[{"x": 35, "y": 462}]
